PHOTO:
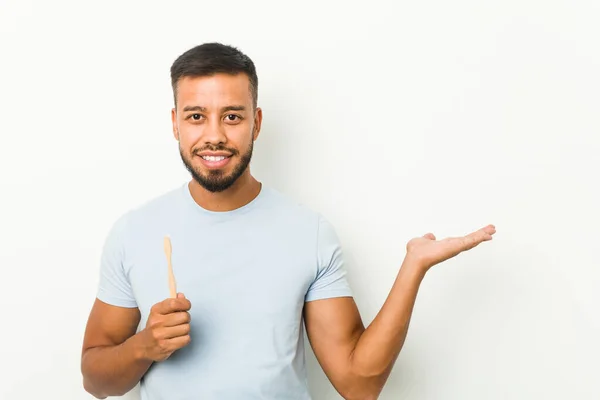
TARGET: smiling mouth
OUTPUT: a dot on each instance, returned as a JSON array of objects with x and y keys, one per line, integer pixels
[
  {"x": 215, "y": 161},
  {"x": 214, "y": 158}
]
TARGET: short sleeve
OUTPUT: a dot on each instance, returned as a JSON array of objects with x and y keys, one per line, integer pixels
[
  {"x": 330, "y": 280},
  {"x": 114, "y": 287}
]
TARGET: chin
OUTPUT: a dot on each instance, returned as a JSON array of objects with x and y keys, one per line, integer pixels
[{"x": 216, "y": 186}]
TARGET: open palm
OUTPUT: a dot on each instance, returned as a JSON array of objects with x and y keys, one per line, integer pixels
[{"x": 429, "y": 251}]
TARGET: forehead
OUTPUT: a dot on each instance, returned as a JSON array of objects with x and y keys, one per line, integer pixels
[{"x": 215, "y": 90}]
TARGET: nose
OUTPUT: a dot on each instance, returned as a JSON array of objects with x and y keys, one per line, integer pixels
[{"x": 214, "y": 132}]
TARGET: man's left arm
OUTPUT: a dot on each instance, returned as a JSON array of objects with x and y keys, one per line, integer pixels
[{"x": 356, "y": 360}]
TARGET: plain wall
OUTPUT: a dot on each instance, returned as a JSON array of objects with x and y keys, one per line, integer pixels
[{"x": 393, "y": 119}]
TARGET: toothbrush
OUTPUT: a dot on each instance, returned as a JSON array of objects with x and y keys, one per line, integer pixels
[{"x": 168, "y": 251}]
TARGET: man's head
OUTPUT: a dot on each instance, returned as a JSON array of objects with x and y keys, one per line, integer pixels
[{"x": 215, "y": 119}]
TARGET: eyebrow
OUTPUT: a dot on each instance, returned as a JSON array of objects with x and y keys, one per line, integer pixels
[{"x": 224, "y": 109}]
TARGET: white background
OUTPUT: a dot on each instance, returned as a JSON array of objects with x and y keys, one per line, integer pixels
[{"x": 391, "y": 118}]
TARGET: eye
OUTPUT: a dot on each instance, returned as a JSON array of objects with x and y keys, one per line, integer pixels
[
  {"x": 232, "y": 117},
  {"x": 196, "y": 117}
]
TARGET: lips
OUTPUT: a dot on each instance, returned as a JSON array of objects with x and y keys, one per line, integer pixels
[{"x": 214, "y": 160}]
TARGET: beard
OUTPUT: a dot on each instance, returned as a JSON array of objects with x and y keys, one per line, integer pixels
[{"x": 217, "y": 180}]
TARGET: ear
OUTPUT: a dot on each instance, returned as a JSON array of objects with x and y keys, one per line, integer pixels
[
  {"x": 174, "y": 122},
  {"x": 257, "y": 122}
]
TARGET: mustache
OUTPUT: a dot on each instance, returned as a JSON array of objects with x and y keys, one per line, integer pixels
[{"x": 216, "y": 148}]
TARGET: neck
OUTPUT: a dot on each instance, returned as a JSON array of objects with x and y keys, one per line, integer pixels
[{"x": 242, "y": 192}]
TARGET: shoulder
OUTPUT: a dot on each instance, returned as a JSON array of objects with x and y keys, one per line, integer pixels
[
  {"x": 284, "y": 206},
  {"x": 164, "y": 203},
  {"x": 300, "y": 220},
  {"x": 147, "y": 213}
]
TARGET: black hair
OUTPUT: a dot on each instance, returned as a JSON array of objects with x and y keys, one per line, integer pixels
[{"x": 212, "y": 58}]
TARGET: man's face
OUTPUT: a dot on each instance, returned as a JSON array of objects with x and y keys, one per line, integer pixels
[{"x": 216, "y": 125}]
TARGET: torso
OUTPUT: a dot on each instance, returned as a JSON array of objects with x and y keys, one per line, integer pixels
[{"x": 246, "y": 274}]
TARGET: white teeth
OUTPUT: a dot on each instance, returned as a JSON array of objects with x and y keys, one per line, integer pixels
[{"x": 213, "y": 158}]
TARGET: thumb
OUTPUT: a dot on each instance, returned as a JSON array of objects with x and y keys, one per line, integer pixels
[
  {"x": 180, "y": 296},
  {"x": 430, "y": 236}
]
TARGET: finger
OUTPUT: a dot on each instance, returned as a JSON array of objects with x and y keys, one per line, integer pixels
[
  {"x": 176, "y": 318},
  {"x": 485, "y": 233},
  {"x": 170, "y": 305},
  {"x": 489, "y": 231},
  {"x": 174, "y": 331},
  {"x": 475, "y": 238},
  {"x": 177, "y": 342},
  {"x": 470, "y": 241},
  {"x": 430, "y": 236},
  {"x": 460, "y": 244}
]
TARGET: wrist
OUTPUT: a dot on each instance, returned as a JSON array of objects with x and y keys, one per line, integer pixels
[
  {"x": 139, "y": 347},
  {"x": 414, "y": 266}
]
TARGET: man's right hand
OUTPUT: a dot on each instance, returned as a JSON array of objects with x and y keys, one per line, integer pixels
[{"x": 167, "y": 328}]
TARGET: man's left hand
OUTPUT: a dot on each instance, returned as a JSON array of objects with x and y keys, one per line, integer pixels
[{"x": 427, "y": 251}]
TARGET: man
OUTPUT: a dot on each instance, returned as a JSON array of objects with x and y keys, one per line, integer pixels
[{"x": 256, "y": 269}]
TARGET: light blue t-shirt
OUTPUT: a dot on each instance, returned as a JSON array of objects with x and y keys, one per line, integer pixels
[{"x": 247, "y": 274}]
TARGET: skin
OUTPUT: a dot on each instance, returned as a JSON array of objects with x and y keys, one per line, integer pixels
[
  {"x": 357, "y": 360},
  {"x": 196, "y": 130}
]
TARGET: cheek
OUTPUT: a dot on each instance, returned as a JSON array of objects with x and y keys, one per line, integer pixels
[
  {"x": 188, "y": 137},
  {"x": 243, "y": 137}
]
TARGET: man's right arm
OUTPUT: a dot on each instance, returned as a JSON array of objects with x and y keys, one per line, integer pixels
[
  {"x": 113, "y": 355},
  {"x": 114, "y": 358}
]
